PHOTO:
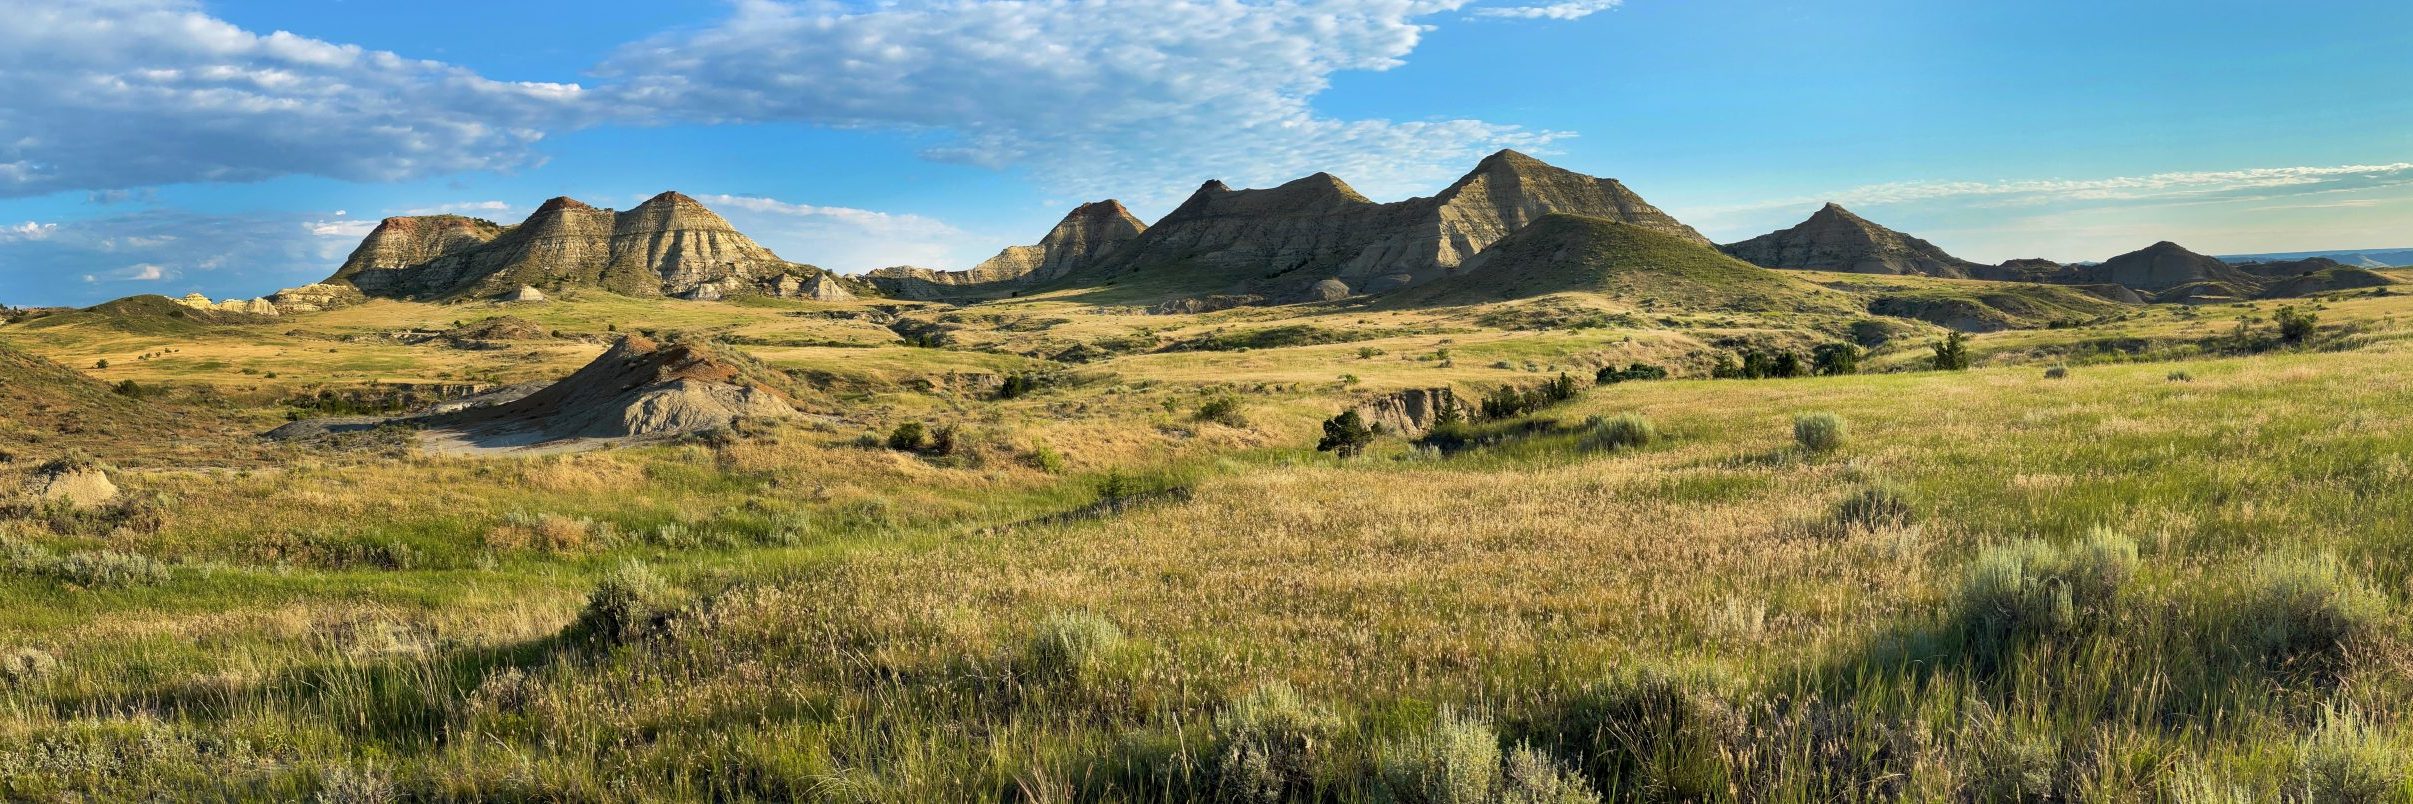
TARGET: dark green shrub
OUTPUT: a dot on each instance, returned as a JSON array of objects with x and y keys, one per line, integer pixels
[
  {"x": 630, "y": 603},
  {"x": 1875, "y": 507},
  {"x": 908, "y": 437},
  {"x": 1611, "y": 375},
  {"x": 1346, "y": 435},
  {"x": 1223, "y": 410},
  {"x": 1835, "y": 359},
  {"x": 1952, "y": 353},
  {"x": 2295, "y": 325}
]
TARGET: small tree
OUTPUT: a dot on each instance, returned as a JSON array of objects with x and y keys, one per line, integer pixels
[
  {"x": 2295, "y": 325},
  {"x": 1346, "y": 435},
  {"x": 100, "y": 364},
  {"x": 1836, "y": 359},
  {"x": 1952, "y": 354},
  {"x": 907, "y": 437}
]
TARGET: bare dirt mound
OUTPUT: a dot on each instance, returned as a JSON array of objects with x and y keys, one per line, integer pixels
[{"x": 639, "y": 390}]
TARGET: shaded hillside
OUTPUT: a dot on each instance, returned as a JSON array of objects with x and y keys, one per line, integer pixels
[
  {"x": 1315, "y": 236},
  {"x": 51, "y": 410},
  {"x": 671, "y": 245},
  {"x": 1834, "y": 239},
  {"x": 639, "y": 389},
  {"x": 1578, "y": 254}
]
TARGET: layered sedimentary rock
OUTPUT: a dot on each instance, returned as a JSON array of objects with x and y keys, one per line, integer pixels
[
  {"x": 1282, "y": 242},
  {"x": 1834, "y": 239},
  {"x": 671, "y": 245},
  {"x": 1091, "y": 231}
]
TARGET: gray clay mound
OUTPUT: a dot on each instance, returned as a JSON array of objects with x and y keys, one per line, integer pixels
[{"x": 639, "y": 389}]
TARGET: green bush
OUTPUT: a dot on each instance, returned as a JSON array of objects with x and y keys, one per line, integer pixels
[
  {"x": 1346, "y": 435},
  {"x": 2350, "y": 761},
  {"x": 1071, "y": 645},
  {"x": 1531, "y": 777},
  {"x": 1819, "y": 432},
  {"x": 1046, "y": 459},
  {"x": 1272, "y": 740},
  {"x": 22, "y": 666},
  {"x": 2295, "y": 325},
  {"x": 1223, "y": 410},
  {"x": 1622, "y": 431},
  {"x": 631, "y": 602},
  {"x": 1456, "y": 762},
  {"x": 908, "y": 437},
  {"x": 2035, "y": 589},
  {"x": 2300, "y": 609},
  {"x": 1835, "y": 359},
  {"x": 1612, "y": 375},
  {"x": 1952, "y": 353},
  {"x": 107, "y": 568},
  {"x": 2180, "y": 376},
  {"x": 1876, "y": 507},
  {"x": 2056, "y": 372}
]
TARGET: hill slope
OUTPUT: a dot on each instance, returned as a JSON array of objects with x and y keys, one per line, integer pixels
[
  {"x": 1834, "y": 239},
  {"x": 1579, "y": 254},
  {"x": 53, "y": 410}
]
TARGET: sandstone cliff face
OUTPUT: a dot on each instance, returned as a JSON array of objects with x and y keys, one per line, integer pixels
[
  {"x": 1091, "y": 231},
  {"x": 1282, "y": 242},
  {"x": 1412, "y": 413},
  {"x": 671, "y": 245},
  {"x": 1834, "y": 239}
]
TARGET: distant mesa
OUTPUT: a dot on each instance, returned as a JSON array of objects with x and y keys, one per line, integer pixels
[
  {"x": 671, "y": 245},
  {"x": 1311, "y": 238},
  {"x": 1089, "y": 232},
  {"x": 1834, "y": 239}
]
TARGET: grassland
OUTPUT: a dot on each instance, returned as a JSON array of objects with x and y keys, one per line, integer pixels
[{"x": 2178, "y": 572}]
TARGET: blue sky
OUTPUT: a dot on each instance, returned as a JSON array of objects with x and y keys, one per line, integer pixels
[{"x": 240, "y": 146}]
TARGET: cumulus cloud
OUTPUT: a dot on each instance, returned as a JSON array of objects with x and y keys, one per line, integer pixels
[
  {"x": 28, "y": 230},
  {"x": 146, "y": 272},
  {"x": 348, "y": 230},
  {"x": 1094, "y": 96},
  {"x": 845, "y": 239},
  {"x": 1572, "y": 10},
  {"x": 113, "y": 94}
]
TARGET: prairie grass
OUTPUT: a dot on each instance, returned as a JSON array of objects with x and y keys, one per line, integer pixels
[{"x": 2105, "y": 587}]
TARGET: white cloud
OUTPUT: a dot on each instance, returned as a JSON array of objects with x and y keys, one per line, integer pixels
[
  {"x": 145, "y": 272},
  {"x": 28, "y": 230},
  {"x": 1096, "y": 97},
  {"x": 1571, "y": 10},
  {"x": 113, "y": 94},
  {"x": 347, "y": 230},
  {"x": 843, "y": 238},
  {"x": 2159, "y": 186},
  {"x": 476, "y": 208}
]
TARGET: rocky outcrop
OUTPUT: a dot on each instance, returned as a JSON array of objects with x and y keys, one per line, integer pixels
[
  {"x": 1412, "y": 413},
  {"x": 74, "y": 483},
  {"x": 639, "y": 389},
  {"x": 1282, "y": 241},
  {"x": 527, "y": 295},
  {"x": 671, "y": 245},
  {"x": 247, "y": 306},
  {"x": 1090, "y": 232},
  {"x": 1834, "y": 239}
]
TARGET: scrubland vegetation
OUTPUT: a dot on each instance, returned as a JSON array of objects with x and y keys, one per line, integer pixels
[{"x": 2173, "y": 573}]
